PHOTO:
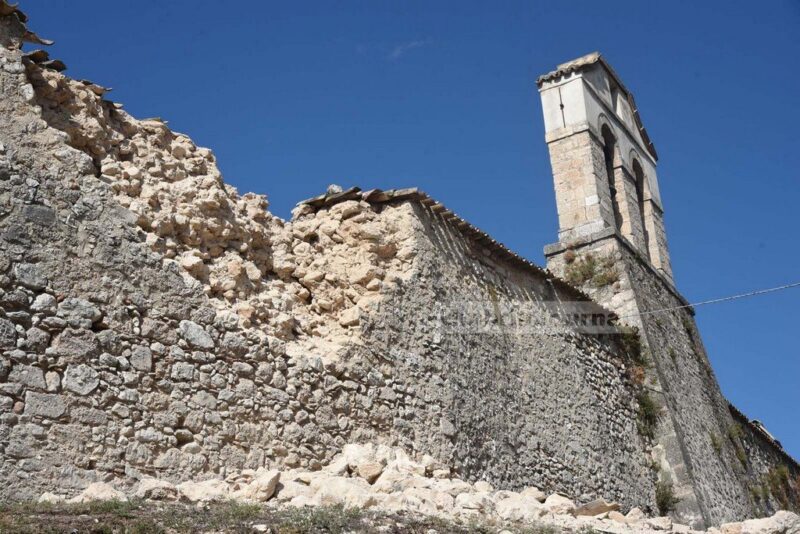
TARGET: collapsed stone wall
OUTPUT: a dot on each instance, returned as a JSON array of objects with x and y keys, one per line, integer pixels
[
  {"x": 230, "y": 245},
  {"x": 154, "y": 323},
  {"x": 120, "y": 357}
]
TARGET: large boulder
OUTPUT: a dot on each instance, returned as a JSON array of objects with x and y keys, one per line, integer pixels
[
  {"x": 99, "y": 491},
  {"x": 595, "y": 507},
  {"x": 659, "y": 523},
  {"x": 558, "y": 504},
  {"x": 358, "y": 453},
  {"x": 452, "y": 486},
  {"x": 397, "y": 502},
  {"x": 518, "y": 507},
  {"x": 474, "y": 503},
  {"x": 206, "y": 491},
  {"x": 535, "y": 493},
  {"x": 782, "y": 522},
  {"x": 261, "y": 488},
  {"x": 369, "y": 471},
  {"x": 350, "y": 492},
  {"x": 294, "y": 484},
  {"x": 156, "y": 490},
  {"x": 439, "y": 500}
]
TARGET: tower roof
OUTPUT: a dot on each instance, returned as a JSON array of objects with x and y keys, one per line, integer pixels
[{"x": 588, "y": 61}]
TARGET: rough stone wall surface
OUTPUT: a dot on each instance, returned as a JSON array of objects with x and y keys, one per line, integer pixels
[
  {"x": 700, "y": 443},
  {"x": 118, "y": 361},
  {"x": 155, "y": 323},
  {"x": 773, "y": 478},
  {"x": 515, "y": 405},
  {"x": 598, "y": 266},
  {"x": 695, "y": 402}
]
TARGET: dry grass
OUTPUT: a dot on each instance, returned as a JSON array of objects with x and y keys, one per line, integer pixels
[
  {"x": 596, "y": 271},
  {"x": 138, "y": 517}
]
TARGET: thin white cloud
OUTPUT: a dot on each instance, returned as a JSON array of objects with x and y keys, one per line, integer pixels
[{"x": 403, "y": 48}]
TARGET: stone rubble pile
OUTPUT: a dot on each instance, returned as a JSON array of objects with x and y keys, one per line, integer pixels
[
  {"x": 271, "y": 273},
  {"x": 377, "y": 477},
  {"x": 120, "y": 358}
]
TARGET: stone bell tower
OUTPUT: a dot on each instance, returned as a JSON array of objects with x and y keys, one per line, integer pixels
[
  {"x": 604, "y": 164},
  {"x": 612, "y": 244}
]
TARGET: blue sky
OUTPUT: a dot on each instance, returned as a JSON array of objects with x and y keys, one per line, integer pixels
[{"x": 292, "y": 96}]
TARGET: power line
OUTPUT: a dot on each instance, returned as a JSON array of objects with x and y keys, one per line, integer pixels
[{"x": 714, "y": 301}]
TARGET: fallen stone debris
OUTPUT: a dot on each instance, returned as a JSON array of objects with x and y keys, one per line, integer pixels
[{"x": 385, "y": 479}]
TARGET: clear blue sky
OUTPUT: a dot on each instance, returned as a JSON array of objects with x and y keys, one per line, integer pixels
[{"x": 292, "y": 96}]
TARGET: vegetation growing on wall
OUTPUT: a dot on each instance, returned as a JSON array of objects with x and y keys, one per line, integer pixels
[
  {"x": 596, "y": 271},
  {"x": 757, "y": 494},
  {"x": 632, "y": 344},
  {"x": 779, "y": 485},
  {"x": 665, "y": 497},
  {"x": 687, "y": 326},
  {"x": 716, "y": 442},
  {"x": 797, "y": 490},
  {"x": 648, "y": 414},
  {"x": 673, "y": 355},
  {"x": 735, "y": 435}
]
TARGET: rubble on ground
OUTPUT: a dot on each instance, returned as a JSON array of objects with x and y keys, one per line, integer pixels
[{"x": 381, "y": 478}]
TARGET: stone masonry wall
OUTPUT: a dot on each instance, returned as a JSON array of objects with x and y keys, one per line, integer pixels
[
  {"x": 700, "y": 441},
  {"x": 578, "y": 162},
  {"x": 118, "y": 361},
  {"x": 155, "y": 323},
  {"x": 773, "y": 476},
  {"x": 513, "y": 404}
]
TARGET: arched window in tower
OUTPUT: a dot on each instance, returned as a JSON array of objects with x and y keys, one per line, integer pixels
[
  {"x": 642, "y": 190},
  {"x": 609, "y": 150}
]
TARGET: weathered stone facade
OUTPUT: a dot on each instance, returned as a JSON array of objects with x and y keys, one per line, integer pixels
[
  {"x": 699, "y": 449},
  {"x": 155, "y": 323}
]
